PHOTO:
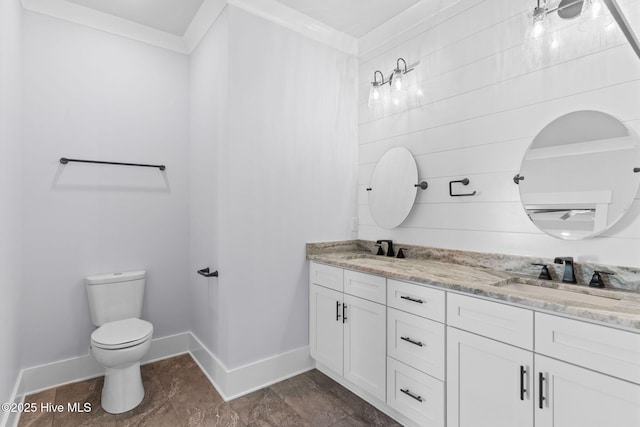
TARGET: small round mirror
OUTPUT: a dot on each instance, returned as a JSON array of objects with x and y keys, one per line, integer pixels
[
  {"x": 578, "y": 176},
  {"x": 393, "y": 190}
]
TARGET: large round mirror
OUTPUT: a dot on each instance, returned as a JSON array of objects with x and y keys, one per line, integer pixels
[
  {"x": 578, "y": 176},
  {"x": 393, "y": 190}
]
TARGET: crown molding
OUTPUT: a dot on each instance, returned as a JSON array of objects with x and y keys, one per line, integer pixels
[
  {"x": 204, "y": 18},
  {"x": 103, "y": 21},
  {"x": 426, "y": 13},
  {"x": 280, "y": 14}
]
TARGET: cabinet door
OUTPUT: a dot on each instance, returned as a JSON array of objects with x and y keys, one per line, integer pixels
[
  {"x": 325, "y": 327},
  {"x": 573, "y": 396},
  {"x": 365, "y": 345},
  {"x": 488, "y": 382}
]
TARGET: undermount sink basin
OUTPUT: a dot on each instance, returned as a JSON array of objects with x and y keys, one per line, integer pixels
[
  {"x": 373, "y": 260},
  {"x": 574, "y": 293}
]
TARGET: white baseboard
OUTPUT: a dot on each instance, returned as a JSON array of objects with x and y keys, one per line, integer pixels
[
  {"x": 85, "y": 367},
  {"x": 230, "y": 383},
  {"x": 233, "y": 383}
]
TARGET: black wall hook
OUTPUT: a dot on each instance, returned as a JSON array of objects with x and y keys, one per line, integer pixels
[
  {"x": 463, "y": 182},
  {"x": 518, "y": 178}
]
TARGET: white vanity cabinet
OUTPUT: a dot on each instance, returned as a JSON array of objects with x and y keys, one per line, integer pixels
[
  {"x": 488, "y": 382},
  {"x": 489, "y": 373},
  {"x": 416, "y": 352},
  {"x": 348, "y": 332},
  {"x": 574, "y": 396},
  {"x": 326, "y": 338},
  {"x": 502, "y": 365},
  {"x": 603, "y": 390},
  {"x": 497, "y": 377}
]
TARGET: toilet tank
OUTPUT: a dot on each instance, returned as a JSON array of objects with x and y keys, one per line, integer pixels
[{"x": 115, "y": 296}]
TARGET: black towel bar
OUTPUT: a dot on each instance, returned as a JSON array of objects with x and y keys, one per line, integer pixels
[{"x": 65, "y": 160}]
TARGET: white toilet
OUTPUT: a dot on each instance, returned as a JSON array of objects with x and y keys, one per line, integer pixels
[{"x": 121, "y": 339}]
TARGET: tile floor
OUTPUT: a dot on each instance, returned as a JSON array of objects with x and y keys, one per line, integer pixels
[{"x": 179, "y": 394}]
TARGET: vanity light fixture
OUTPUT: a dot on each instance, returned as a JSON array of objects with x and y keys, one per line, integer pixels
[
  {"x": 594, "y": 15},
  {"x": 395, "y": 94}
]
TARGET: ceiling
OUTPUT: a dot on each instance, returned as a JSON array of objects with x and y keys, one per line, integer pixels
[
  {"x": 179, "y": 25},
  {"x": 171, "y": 16},
  {"x": 353, "y": 17}
]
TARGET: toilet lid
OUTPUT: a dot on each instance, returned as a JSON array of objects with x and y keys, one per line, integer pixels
[{"x": 121, "y": 333}]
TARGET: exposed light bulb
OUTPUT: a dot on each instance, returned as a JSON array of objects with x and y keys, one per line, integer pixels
[
  {"x": 398, "y": 90},
  {"x": 538, "y": 28},
  {"x": 375, "y": 93},
  {"x": 397, "y": 81}
]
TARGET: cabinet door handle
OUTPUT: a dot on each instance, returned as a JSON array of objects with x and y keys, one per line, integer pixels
[
  {"x": 344, "y": 313},
  {"x": 337, "y": 311},
  {"x": 541, "y": 397},
  {"x": 523, "y": 390},
  {"x": 413, "y": 396},
  {"x": 407, "y": 339},
  {"x": 419, "y": 301}
]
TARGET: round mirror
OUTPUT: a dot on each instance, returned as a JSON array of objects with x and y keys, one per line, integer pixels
[
  {"x": 393, "y": 187},
  {"x": 578, "y": 176}
]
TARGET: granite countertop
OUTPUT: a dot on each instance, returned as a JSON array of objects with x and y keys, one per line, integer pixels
[{"x": 615, "y": 307}]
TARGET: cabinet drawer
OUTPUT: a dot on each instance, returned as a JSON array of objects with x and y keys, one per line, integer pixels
[
  {"x": 596, "y": 347},
  {"x": 415, "y": 395},
  {"x": 501, "y": 322},
  {"x": 416, "y": 341},
  {"x": 327, "y": 276},
  {"x": 367, "y": 286},
  {"x": 416, "y": 299}
]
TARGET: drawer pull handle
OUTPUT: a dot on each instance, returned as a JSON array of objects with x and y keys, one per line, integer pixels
[
  {"x": 541, "y": 397},
  {"x": 411, "y": 395},
  {"x": 337, "y": 311},
  {"x": 344, "y": 313},
  {"x": 523, "y": 390},
  {"x": 419, "y": 301},
  {"x": 407, "y": 339}
]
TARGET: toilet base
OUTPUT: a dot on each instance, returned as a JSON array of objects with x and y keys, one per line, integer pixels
[{"x": 123, "y": 389}]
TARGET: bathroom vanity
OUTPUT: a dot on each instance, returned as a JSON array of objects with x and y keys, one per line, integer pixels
[{"x": 440, "y": 344}]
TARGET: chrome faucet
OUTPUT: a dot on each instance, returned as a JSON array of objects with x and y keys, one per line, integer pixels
[
  {"x": 389, "y": 243},
  {"x": 569, "y": 273}
]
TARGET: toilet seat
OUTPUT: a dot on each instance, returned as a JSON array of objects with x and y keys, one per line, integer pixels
[{"x": 121, "y": 334}]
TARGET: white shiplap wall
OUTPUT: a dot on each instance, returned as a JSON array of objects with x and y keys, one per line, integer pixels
[{"x": 484, "y": 103}]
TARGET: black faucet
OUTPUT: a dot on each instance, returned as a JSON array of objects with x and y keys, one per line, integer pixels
[
  {"x": 569, "y": 273},
  {"x": 596, "y": 280},
  {"x": 389, "y": 243}
]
